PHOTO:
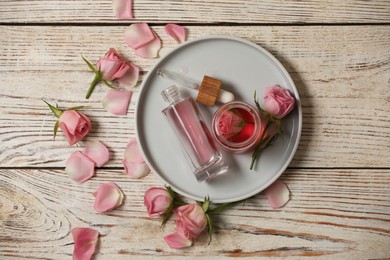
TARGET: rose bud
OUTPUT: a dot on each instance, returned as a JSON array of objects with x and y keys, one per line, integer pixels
[{"x": 278, "y": 101}]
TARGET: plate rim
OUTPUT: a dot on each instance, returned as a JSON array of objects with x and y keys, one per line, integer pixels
[{"x": 280, "y": 66}]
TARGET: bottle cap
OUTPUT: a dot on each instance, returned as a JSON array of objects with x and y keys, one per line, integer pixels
[{"x": 208, "y": 91}]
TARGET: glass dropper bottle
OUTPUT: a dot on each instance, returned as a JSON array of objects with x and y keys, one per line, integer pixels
[{"x": 199, "y": 148}]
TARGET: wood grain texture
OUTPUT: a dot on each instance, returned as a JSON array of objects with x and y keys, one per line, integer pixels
[
  {"x": 342, "y": 74},
  {"x": 332, "y": 214},
  {"x": 199, "y": 11}
]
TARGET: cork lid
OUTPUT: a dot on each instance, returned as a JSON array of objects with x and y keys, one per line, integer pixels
[{"x": 208, "y": 91}]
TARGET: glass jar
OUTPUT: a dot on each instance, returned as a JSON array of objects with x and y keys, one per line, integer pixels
[{"x": 236, "y": 127}]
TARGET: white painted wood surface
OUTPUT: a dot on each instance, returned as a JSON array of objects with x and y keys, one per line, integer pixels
[
  {"x": 199, "y": 11},
  {"x": 339, "y": 178},
  {"x": 338, "y": 214}
]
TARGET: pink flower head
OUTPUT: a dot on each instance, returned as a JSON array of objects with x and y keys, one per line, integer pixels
[
  {"x": 143, "y": 40},
  {"x": 107, "y": 197},
  {"x": 112, "y": 65},
  {"x": 74, "y": 125},
  {"x": 177, "y": 32},
  {"x": 123, "y": 9},
  {"x": 79, "y": 167},
  {"x": 85, "y": 240},
  {"x": 191, "y": 221},
  {"x": 278, "y": 101},
  {"x": 230, "y": 124},
  {"x": 157, "y": 201},
  {"x": 133, "y": 161}
]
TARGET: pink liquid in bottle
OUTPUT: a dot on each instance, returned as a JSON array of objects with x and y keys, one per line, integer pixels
[{"x": 201, "y": 153}]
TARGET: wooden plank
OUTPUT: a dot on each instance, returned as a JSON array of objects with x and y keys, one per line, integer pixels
[
  {"x": 199, "y": 11},
  {"x": 339, "y": 214},
  {"x": 343, "y": 81}
]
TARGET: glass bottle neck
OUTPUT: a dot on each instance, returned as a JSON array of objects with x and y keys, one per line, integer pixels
[{"x": 171, "y": 95}]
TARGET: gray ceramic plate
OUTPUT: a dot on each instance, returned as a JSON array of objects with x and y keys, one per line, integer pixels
[{"x": 243, "y": 68}]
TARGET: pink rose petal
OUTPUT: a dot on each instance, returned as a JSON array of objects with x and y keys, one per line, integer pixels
[
  {"x": 136, "y": 170},
  {"x": 85, "y": 240},
  {"x": 277, "y": 194},
  {"x": 107, "y": 197},
  {"x": 123, "y": 9},
  {"x": 176, "y": 241},
  {"x": 138, "y": 34},
  {"x": 117, "y": 101},
  {"x": 130, "y": 79},
  {"x": 151, "y": 49},
  {"x": 177, "y": 32},
  {"x": 79, "y": 167},
  {"x": 133, "y": 161},
  {"x": 97, "y": 152},
  {"x": 132, "y": 152}
]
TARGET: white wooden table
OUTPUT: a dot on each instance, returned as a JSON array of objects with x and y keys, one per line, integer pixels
[{"x": 338, "y": 54}]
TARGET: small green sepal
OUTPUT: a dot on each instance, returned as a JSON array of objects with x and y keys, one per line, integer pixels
[
  {"x": 89, "y": 64},
  {"x": 210, "y": 228},
  {"x": 56, "y": 111},
  {"x": 56, "y": 129}
]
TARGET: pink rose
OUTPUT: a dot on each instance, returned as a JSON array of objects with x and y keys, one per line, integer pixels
[
  {"x": 230, "y": 124},
  {"x": 112, "y": 66},
  {"x": 278, "y": 101},
  {"x": 74, "y": 125},
  {"x": 190, "y": 223},
  {"x": 157, "y": 201}
]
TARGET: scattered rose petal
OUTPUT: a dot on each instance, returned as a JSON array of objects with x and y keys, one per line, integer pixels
[
  {"x": 133, "y": 161},
  {"x": 138, "y": 34},
  {"x": 79, "y": 167},
  {"x": 107, "y": 197},
  {"x": 151, "y": 49},
  {"x": 97, "y": 152},
  {"x": 174, "y": 240},
  {"x": 132, "y": 152},
  {"x": 85, "y": 240},
  {"x": 130, "y": 79},
  {"x": 117, "y": 101},
  {"x": 143, "y": 39},
  {"x": 177, "y": 32},
  {"x": 123, "y": 9},
  {"x": 277, "y": 194},
  {"x": 136, "y": 170}
]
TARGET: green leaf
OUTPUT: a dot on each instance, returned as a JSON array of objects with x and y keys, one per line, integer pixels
[
  {"x": 257, "y": 102},
  {"x": 206, "y": 204},
  {"x": 56, "y": 111},
  {"x": 89, "y": 64},
  {"x": 241, "y": 123},
  {"x": 56, "y": 129},
  {"x": 210, "y": 228}
]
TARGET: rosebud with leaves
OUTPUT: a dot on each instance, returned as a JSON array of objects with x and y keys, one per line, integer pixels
[
  {"x": 113, "y": 67},
  {"x": 191, "y": 219},
  {"x": 74, "y": 124},
  {"x": 278, "y": 103}
]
